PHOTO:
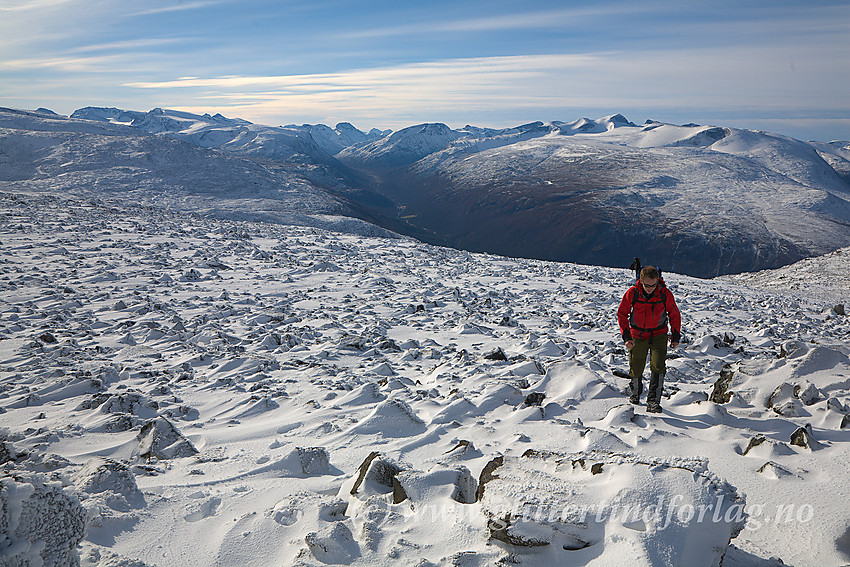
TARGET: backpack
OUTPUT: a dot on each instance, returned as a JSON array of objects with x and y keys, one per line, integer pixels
[{"x": 662, "y": 299}]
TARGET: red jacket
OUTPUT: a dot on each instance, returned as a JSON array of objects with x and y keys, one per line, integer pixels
[{"x": 643, "y": 317}]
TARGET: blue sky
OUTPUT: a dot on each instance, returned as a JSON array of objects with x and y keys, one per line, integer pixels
[{"x": 771, "y": 65}]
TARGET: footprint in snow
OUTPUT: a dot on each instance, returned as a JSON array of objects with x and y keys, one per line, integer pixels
[{"x": 206, "y": 509}]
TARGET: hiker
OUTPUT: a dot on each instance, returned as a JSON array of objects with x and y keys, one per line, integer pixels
[
  {"x": 643, "y": 316},
  {"x": 636, "y": 267}
]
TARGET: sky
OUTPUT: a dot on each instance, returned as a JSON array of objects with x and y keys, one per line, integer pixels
[{"x": 774, "y": 65}]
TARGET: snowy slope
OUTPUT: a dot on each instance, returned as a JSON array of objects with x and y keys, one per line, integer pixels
[
  {"x": 837, "y": 155},
  {"x": 292, "y": 144},
  {"x": 402, "y": 147},
  {"x": 702, "y": 200},
  {"x": 103, "y": 158},
  {"x": 305, "y": 151},
  {"x": 825, "y": 278},
  {"x": 343, "y": 135},
  {"x": 216, "y": 392}
]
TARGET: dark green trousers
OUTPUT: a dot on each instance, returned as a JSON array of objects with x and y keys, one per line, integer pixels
[{"x": 656, "y": 348}]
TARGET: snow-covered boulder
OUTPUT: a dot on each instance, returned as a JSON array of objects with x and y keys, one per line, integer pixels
[
  {"x": 105, "y": 475},
  {"x": 41, "y": 522},
  {"x": 391, "y": 418},
  {"x": 439, "y": 483},
  {"x": 602, "y": 508}
]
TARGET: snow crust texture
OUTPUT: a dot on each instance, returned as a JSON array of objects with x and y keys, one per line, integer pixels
[
  {"x": 40, "y": 522},
  {"x": 181, "y": 390}
]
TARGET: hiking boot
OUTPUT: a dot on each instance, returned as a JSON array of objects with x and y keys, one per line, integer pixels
[
  {"x": 653, "y": 408},
  {"x": 634, "y": 399}
]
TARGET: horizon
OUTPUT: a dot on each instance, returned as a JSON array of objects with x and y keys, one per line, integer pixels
[
  {"x": 773, "y": 66},
  {"x": 455, "y": 126}
]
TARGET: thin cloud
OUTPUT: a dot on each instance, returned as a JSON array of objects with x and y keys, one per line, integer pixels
[
  {"x": 180, "y": 7},
  {"x": 513, "y": 21},
  {"x": 473, "y": 69},
  {"x": 32, "y": 6},
  {"x": 68, "y": 64},
  {"x": 127, "y": 45}
]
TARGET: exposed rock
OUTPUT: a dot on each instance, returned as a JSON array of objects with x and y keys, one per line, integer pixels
[
  {"x": 516, "y": 532},
  {"x": 720, "y": 394},
  {"x": 40, "y": 522},
  {"x": 755, "y": 441},
  {"x": 364, "y": 467},
  {"x": 839, "y": 310},
  {"x": 353, "y": 342},
  {"x": 160, "y": 439},
  {"x": 399, "y": 493},
  {"x": 790, "y": 408},
  {"x": 535, "y": 399},
  {"x": 7, "y": 451},
  {"x": 134, "y": 403},
  {"x": 119, "y": 423},
  {"x": 496, "y": 354},
  {"x": 807, "y": 393},
  {"x": 774, "y": 470},
  {"x": 487, "y": 474},
  {"x": 192, "y": 275},
  {"x": 376, "y": 475},
  {"x": 47, "y": 338},
  {"x": 793, "y": 349},
  {"x": 804, "y": 437},
  {"x": 783, "y": 392},
  {"x": 463, "y": 447},
  {"x": 313, "y": 460}
]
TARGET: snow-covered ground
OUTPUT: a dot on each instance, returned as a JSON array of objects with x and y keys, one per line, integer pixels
[{"x": 217, "y": 392}]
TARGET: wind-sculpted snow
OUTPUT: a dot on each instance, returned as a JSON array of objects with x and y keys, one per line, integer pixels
[{"x": 218, "y": 392}]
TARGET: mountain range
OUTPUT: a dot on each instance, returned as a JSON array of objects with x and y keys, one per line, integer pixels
[{"x": 700, "y": 200}]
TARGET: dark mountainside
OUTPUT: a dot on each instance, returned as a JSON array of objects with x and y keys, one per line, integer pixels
[{"x": 585, "y": 209}]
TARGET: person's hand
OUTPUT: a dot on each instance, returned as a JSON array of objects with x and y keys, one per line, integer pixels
[
  {"x": 630, "y": 344},
  {"x": 675, "y": 338}
]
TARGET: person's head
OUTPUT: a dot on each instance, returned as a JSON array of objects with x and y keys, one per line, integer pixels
[{"x": 649, "y": 278}]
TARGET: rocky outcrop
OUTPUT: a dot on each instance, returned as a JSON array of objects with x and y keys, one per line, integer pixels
[{"x": 720, "y": 394}]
